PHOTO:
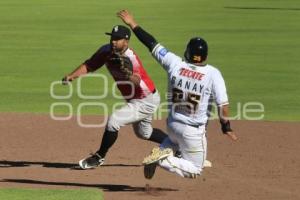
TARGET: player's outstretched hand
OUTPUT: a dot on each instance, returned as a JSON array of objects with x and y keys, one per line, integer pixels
[
  {"x": 66, "y": 80},
  {"x": 232, "y": 136},
  {"x": 127, "y": 18}
]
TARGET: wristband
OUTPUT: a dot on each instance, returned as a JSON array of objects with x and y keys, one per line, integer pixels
[{"x": 225, "y": 126}]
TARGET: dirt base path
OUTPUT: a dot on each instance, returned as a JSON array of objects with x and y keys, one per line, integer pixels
[{"x": 38, "y": 152}]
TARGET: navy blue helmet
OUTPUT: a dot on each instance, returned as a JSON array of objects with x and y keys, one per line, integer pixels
[{"x": 196, "y": 50}]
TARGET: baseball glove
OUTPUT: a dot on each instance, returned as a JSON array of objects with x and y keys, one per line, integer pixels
[{"x": 123, "y": 63}]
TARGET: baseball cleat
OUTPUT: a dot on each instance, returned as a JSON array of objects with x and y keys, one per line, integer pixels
[
  {"x": 149, "y": 170},
  {"x": 93, "y": 161},
  {"x": 157, "y": 154},
  {"x": 207, "y": 163},
  {"x": 192, "y": 175}
]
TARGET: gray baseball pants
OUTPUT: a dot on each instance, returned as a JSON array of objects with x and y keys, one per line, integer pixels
[{"x": 139, "y": 113}]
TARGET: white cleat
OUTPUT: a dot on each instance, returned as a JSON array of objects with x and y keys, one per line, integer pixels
[{"x": 207, "y": 163}]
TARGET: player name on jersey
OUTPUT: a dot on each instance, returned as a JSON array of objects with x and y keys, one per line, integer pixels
[
  {"x": 186, "y": 84},
  {"x": 191, "y": 74}
]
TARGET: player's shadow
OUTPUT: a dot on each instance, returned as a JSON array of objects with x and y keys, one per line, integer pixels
[
  {"x": 72, "y": 166},
  {"x": 104, "y": 187},
  {"x": 262, "y": 8}
]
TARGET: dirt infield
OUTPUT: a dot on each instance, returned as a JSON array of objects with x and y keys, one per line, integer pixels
[{"x": 38, "y": 152}]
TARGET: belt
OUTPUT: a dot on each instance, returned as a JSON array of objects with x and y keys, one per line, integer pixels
[
  {"x": 192, "y": 125},
  {"x": 195, "y": 126}
]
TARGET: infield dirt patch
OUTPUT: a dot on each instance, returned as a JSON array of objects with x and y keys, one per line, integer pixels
[{"x": 38, "y": 152}]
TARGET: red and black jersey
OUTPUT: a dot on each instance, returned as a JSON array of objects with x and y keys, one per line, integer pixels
[{"x": 102, "y": 56}]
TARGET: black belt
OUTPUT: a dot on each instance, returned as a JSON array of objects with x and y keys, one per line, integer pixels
[
  {"x": 154, "y": 91},
  {"x": 195, "y": 126}
]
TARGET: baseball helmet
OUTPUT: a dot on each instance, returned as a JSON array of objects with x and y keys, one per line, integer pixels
[{"x": 196, "y": 50}]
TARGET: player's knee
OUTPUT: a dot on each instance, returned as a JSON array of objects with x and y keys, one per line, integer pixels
[
  {"x": 112, "y": 124},
  {"x": 143, "y": 133}
]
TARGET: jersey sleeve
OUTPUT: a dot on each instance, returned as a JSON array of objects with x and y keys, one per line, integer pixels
[
  {"x": 98, "y": 59},
  {"x": 167, "y": 59},
  {"x": 219, "y": 88}
]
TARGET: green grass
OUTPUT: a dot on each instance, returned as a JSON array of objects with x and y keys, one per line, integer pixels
[
  {"x": 254, "y": 43},
  {"x": 43, "y": 194}
]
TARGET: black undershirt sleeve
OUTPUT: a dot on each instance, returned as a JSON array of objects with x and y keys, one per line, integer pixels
[{"x": 147, "y": 39}]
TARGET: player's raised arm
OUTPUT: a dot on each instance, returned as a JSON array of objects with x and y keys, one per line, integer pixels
[
  {"x": 166, "y": 58},
  {"x": 147, "y": 39}
]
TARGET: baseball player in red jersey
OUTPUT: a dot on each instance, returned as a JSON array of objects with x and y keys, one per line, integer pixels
[
  {"x": 191, "y": 84},
  {"x": 139, "y": 92}
]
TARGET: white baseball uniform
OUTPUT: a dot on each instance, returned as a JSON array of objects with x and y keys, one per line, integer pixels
[{"x": 190, "y": 88}]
